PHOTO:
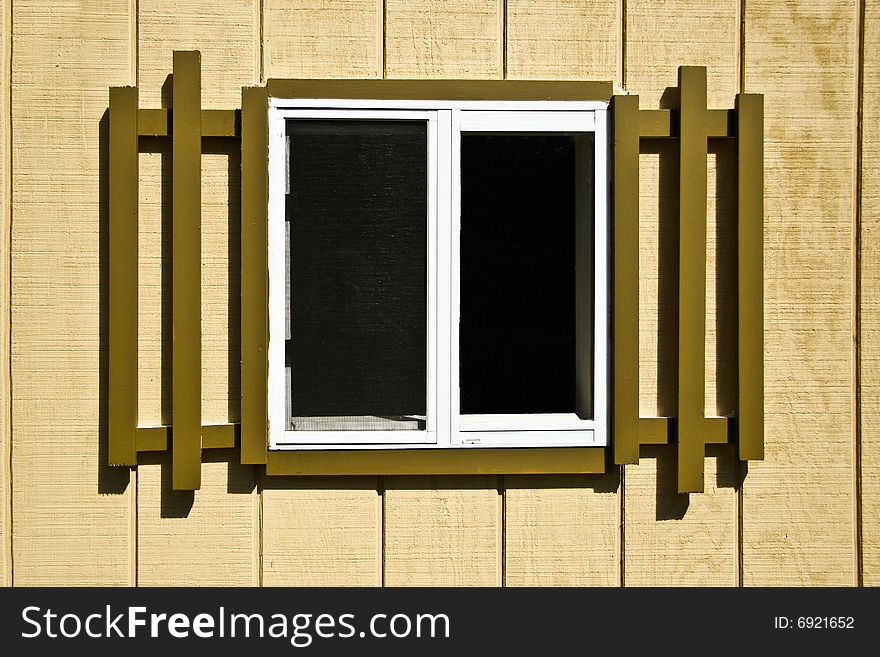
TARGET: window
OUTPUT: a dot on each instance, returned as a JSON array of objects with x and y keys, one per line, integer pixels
[{"x": 437, "y": 274}]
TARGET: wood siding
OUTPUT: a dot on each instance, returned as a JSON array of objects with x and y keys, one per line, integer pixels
[{"x": 807, "y": 515}]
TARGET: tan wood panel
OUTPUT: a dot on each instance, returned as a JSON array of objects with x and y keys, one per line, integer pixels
[
  {"x": 562, "y": 531},
  {"x": 798, "y": 503},
  {"x": 73, "y": 514},
  {"x": 674, "y": 539},
  {"x": 562, "y": 39},
  {"x": 206, "y": 538},
  {"x": 453, "y": 39},
  {"x": 322, "y": 532},
  {"x": 227, "y": 38},
  {"x": 318, "y": 39},
  {"x": 5, "y": 214},
  {"x": 870, "y": 298},
  {"x": 223, "y": 519},
  {"x": 442, "y": 531},
  {"x": 660, "y": 37},
  {"x": 325, "y": 531},
  {"x": 449, "y": 534}
]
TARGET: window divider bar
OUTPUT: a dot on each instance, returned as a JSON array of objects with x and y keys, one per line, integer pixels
[
  {"x": 123, "y": 275},
  {"x": 693, "y": 145},
  {"x": 750, "y": 246},
  {"x": 625, "y": 208},
  {"x": 186, "y": 197},
  {"x": 254, "y": 275}
]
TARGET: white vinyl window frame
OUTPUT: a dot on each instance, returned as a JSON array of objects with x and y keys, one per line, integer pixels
[{"x": 445, "y": 427}]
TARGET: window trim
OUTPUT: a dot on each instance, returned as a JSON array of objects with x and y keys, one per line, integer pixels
[{"x": 445, "y": 430}]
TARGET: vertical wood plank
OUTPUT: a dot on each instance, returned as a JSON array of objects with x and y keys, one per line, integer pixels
[
  {"x": 327, "y": 531},
  {"x": 454, "y": 39},
  {"x": 72, "y": 523},
  {"x": 561, "y": 39},
  {"x": 123, "y": 248},
  {"x": 869, "y": 335},
  {"x": 186, "y": 277},
  {"x": 201, "y": 538},
  {"x": 5, "y": 215},
  {"x": 562, "y": 530},
  {"x": 693, "y": 153},
  {"x": 442, "y": 531},
  {"x": 798, "y": 503},
  {"x": 315, "y": 39},
  {"x": 254, "y": 275},
  {"x": 661, "y": 36},
  {"x": 322, "y": 532},
  {"x": 223, "y": 521}
]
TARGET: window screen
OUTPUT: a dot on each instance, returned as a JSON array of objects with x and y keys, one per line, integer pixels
[
  {"x": 520, "y": 199},
  {"x": 356, "y": 348}
]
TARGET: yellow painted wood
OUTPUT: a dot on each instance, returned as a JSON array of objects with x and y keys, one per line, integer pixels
[
  {"x": 225, "y": 35},
  {"x": 705, "y": 36},
  {"x": 201, "y": 538},
  {"x": 442, "y": 531},
  {"x": 562, "y": 531},
  {"x": 662, "y": 35},
  {"x": 313, "y": 38},
  {"x": 323, "y": 531},
  {"x": 230, "y": 525},
  {"x": 326, "y": 531},
  {"x": 5, "y": 215},
  {"x": 453, "y": 39},
  {"x": 562, "y": 39},
  {"x": 674, "y": 539},
  {"x": 798, "y": 503},
  {"x": 72, "y": 522},
  {"x": 869, "y": 333}
]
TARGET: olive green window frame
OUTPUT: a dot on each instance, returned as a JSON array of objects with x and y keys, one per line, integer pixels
[{"x": 185, "y": 123}]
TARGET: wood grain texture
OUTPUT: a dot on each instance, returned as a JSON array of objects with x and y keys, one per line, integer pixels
[
  {"x": 869, "y": 334},
  {"x": 562, "y": 531},
  {"x": 662, "y": 35},
  {"x": 72, "y": 512},
  {"x": 200, "y": 539},
  {"x": 453, "y": 39},
  {"x": 322, "y": 531},
  {"x": 562, "y": 39},
  {"x": 226, "y": 37},
  {"x": 676, "y": 539},
  {"x": 442, "y": 531},
  {"x": 221, "y": 522},
  {"x": 5, "y": 215},
  {"x": 798, "y": 504},
  {"x": 317, "y": 39}
]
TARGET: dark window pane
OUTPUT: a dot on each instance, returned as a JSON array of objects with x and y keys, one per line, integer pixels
[
  {"x": 517, "y": 312},
  {"x": 357, "y": 208}
]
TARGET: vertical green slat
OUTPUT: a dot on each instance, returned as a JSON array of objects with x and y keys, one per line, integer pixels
[
  {"x": 693, "y": 145},
  {"x": 750, "y": 220},
  {"x": 186, "y": 272},
  {"x": 254, "y": 275},
  {"x": 123, "y": 248},
  {"x": 625, "y": 203}
]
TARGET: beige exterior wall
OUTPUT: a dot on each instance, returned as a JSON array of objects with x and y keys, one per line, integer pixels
[{"x": 807, "y": 515}]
